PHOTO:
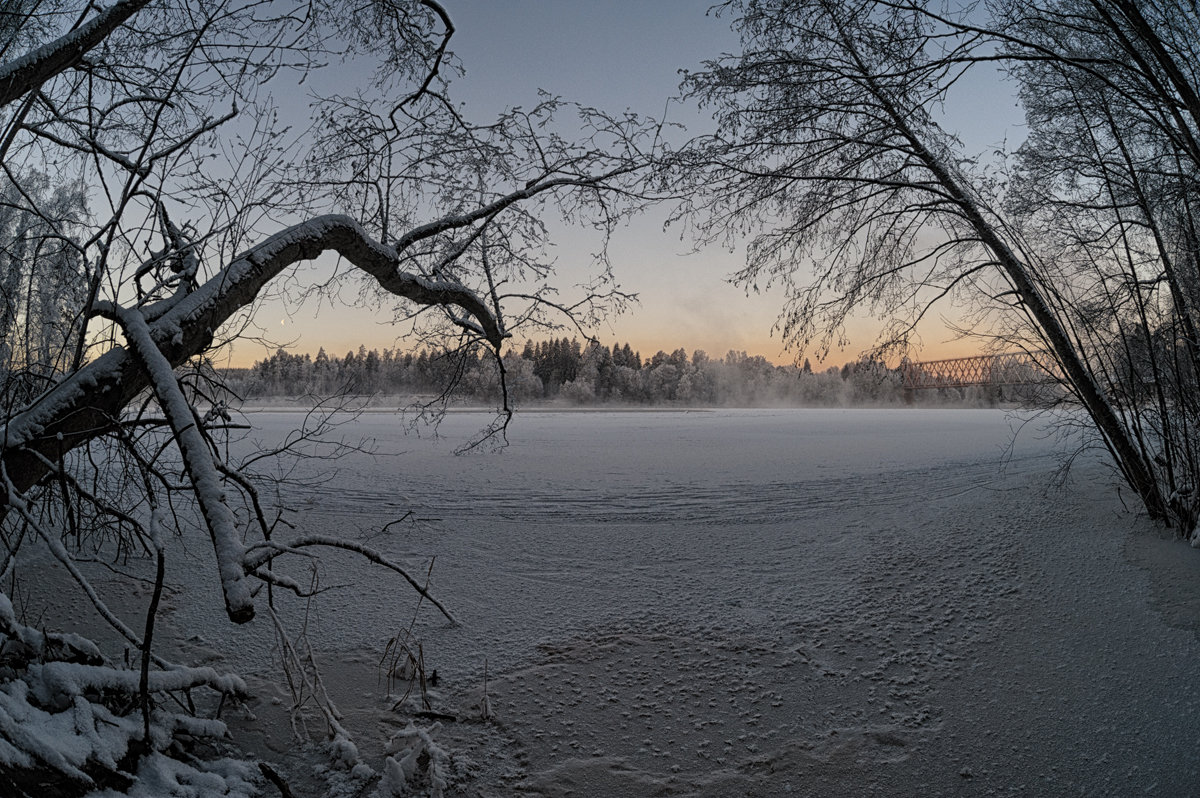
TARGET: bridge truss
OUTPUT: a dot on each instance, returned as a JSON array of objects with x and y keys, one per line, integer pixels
[{"x": 1011, "y": 368}]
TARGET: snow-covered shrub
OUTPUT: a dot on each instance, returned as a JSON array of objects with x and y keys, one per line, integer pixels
[
  {"x": 419, "y": 763},
  {"x": 70, "y": 723}
]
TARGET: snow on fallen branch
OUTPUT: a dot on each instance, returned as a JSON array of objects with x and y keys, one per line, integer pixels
[
  {"x": 56, "y": 740},
  {"x": 66, "y": 725},
  {"x": 197, "y": 460},
  {"x": 54, "y": 684}
]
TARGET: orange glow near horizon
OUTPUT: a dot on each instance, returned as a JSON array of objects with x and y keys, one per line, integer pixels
[
  {"x": 246, "y": 353},
  {"x": 685, "y": 300}
]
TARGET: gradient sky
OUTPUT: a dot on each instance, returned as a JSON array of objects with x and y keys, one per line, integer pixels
[{"x": 620, "y": 54}]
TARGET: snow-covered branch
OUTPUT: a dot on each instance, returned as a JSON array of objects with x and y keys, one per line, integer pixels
[
  {"x": 28, "y": 72},
  {"x": 461, "y": 220},
  {"x": 86, "y": 404},
  {"x": 198, "y": 461}
]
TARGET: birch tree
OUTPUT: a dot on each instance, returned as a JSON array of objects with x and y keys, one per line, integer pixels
[
  {"x": 147, "y": 163},
  {"x": 830, "y": 155}
]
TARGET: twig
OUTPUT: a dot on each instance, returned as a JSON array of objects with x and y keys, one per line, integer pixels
[
  {"x": 255, "y": 557},
  {"x": 147, "y": 640},
  {"x": 273, "y": 776}
]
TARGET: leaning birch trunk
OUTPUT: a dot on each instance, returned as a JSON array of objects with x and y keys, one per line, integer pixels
[{"x": 1132, "y": 465}]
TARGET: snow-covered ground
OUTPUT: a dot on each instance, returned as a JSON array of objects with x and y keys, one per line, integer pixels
[{"x": 755, "y": 602}]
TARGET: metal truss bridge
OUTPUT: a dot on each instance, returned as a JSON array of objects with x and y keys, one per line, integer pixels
[{"x": 1012, "y": 368}]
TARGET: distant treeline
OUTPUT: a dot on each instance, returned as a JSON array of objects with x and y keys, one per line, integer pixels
[{"x": 565, "y": 370}]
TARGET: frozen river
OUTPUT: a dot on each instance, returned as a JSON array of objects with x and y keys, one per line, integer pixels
[{"x": 808, "y": 602}]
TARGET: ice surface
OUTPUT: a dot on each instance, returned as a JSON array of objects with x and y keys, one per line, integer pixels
[{"x": 809, "y": 602}]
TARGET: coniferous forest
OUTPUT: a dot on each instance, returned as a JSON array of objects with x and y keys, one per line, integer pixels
[{"x": 567, "y": 371}]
